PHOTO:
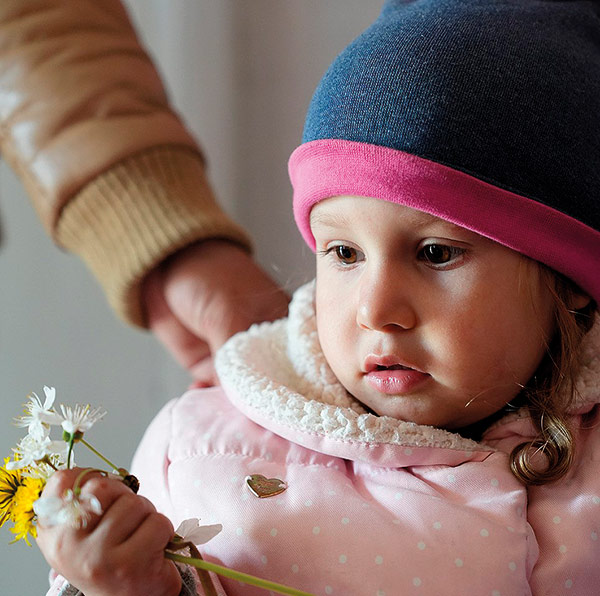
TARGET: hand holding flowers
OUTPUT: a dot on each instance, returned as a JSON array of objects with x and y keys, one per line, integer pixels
[
  {"x": 118, "y": 552},
  {"x": 91, "y": 525},
  {"x": 37, "y": 457}
]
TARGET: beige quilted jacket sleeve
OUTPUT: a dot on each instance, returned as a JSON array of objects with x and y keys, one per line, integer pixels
[{"x": 86, "y": 124}]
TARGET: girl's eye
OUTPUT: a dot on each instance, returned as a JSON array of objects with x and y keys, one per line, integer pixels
[
  {"x": 345, "y": 254},
  {"x": 440, "y": 254}
]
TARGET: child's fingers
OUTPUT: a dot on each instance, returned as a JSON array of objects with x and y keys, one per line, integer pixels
[
  {"x": 63, "y": 480},
  {"x": 123, "y": 518},
  {"x": 152, "y": 535},
  {"x": 58, "y": 496},
  {"x": 106, "y": 490},
  {"x": 95, "y": 488},
  {"x": 60, "y": 541}
]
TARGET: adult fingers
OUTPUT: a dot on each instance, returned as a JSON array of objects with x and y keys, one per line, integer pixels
[
  {"x": 204, "y": 374},
  {"x": 185, "y": 346},
  {"x": 216, "y": 290}
]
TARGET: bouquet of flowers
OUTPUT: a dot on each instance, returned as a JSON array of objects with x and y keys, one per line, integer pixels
[{"x": 37, "y": 456}]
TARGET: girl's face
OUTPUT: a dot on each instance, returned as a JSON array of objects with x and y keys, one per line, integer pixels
[{"x": 422, "y": 320}]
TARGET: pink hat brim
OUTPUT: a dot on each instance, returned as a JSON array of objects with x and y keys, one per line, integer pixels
[{"x": 327, "y": 168}]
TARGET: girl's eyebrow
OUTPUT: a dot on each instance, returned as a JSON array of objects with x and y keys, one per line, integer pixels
[
  {"x": 329, "y": 220},
  {"x": 339, "y": 220},
  {"x": 420, "y": 221}
]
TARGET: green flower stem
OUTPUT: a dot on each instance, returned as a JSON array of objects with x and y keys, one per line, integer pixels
[
  {"x": 84, "y": 472},
  {"x": 104, "y": 459},
  {"x": 237, "y": 575},
  {"x": 70, "y": 452}
]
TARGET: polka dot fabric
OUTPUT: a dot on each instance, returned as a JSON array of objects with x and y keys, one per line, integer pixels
[
  {"x": 345, "y": 527},
  {"x": 341, "y": 527}
]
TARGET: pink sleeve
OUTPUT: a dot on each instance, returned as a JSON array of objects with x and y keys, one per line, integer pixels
[
  {"x": 57, "y": 584},
  {"x": 151, "y": 462}
]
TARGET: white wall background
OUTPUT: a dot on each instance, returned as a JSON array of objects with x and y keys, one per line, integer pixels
[{"x": 241, "y": 73}]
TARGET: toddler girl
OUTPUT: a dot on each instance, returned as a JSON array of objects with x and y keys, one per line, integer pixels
[{"x": 425, "y": 421}]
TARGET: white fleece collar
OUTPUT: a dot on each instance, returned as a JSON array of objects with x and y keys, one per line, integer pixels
[{"x": 279, "y": 377}]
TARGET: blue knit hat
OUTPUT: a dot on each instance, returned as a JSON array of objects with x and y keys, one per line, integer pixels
[{"x": 483, "y": 112}]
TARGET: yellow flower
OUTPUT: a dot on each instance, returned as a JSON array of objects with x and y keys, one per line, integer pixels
[
  {"x": 22, "y": 511},
  {"x": 10, "y": 481},
  {"x": 17, "y": 495}
]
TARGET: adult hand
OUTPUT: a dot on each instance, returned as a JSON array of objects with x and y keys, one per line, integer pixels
[
  {"x": 203, "y": 295},
  {"x": 119, "y": 552}
]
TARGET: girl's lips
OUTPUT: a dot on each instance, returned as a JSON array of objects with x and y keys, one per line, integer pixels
[
  {"x": 387, "y": 374},
  {"x": 395, "y": 381},
  {"x": 374, "y": 362}
]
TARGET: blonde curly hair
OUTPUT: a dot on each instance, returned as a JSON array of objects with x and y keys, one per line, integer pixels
[{"x": 550, "y": 394}]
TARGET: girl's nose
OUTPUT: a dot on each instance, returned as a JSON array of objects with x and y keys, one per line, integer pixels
[{"x": 385, "y": 303}]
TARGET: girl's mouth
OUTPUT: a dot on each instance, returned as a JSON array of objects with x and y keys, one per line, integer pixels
[
  {"x": 395, "y": 380},
  {"x": 386, "y": 375},
  {"x": 375, "y": 363},
  {"x": 393, "y": 367}
]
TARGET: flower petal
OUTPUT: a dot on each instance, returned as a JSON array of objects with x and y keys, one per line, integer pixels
[
  {"x": 80, "y": 418},
  {"x": 191, "y": 531},
  {"x": 50, "y": 396},
  {"x": 71, "y": 510},
  {"x": 48, "y": 510},
  {"x": 187, "y": 526},
  {"x": 51, "y": 418}
]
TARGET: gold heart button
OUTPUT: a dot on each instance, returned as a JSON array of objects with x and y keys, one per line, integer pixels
[{"x": 263, "y": 487}]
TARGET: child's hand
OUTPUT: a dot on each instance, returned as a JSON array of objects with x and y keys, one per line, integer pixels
[{"x": 120, "y": 552}]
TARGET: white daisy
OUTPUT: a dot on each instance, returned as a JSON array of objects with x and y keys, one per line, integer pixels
[
  {"x": 72, "y": 510},
  {"x": 32, "y": 449},
  {"x": 80, "y": 418},
  {"x": 38, "y": 417},
  {"x": 190, "y": 530}
]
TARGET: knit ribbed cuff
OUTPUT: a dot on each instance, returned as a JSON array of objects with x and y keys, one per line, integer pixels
[{"x": 133, "y": 216}]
